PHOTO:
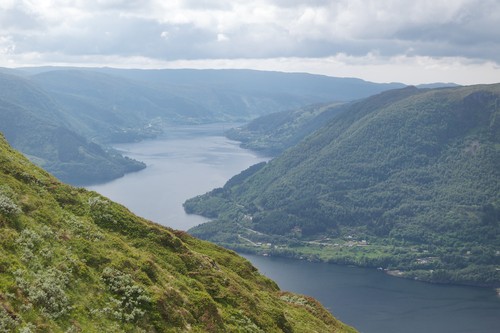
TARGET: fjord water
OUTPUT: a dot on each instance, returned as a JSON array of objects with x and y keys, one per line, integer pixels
[
  {"x": 375, "y": 302},
  {"x": 191, "y": 160},
  {"x": 185, "y": 162}
]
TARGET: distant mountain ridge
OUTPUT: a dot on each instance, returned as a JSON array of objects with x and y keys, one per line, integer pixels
[
  {"x": 62, "y": 116},
  {"x": 300, "y": 88},
  {"x": 406, "y": 180}
]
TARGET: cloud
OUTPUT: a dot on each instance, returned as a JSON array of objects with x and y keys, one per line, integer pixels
[{"x": 261, "y": 29}]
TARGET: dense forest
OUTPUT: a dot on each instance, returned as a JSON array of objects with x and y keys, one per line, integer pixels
[
  {"x": 71, "y": 260},
  {"x": 407, "y": 181}
]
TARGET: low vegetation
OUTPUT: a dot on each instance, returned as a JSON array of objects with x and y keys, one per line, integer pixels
[{"x": 74, "y": 261}]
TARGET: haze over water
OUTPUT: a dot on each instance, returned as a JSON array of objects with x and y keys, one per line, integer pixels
[
  {"x": 191, "y": 160},
  {"x": 185, "y": 162}
]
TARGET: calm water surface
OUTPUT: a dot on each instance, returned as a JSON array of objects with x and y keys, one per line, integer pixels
[
  {"x": 185, "y": 162},
  {"x": 192, "y": 160},
  {"x": 374, "y": 302}
]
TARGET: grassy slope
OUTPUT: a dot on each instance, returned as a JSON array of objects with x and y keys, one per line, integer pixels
[
  {"x": 73, "y": 261},
  {"x": 412, "y": 172}
]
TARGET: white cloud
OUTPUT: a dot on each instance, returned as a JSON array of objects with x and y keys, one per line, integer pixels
[
  {"x": 222, "y": 37},
  {"x": 376, "y": 32}
]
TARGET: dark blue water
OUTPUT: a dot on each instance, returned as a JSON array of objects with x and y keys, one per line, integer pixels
[
  {"x": 375, "y": 302},
  {"x": 193, "y": 160}
]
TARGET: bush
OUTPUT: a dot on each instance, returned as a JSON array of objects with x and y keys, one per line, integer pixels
[
  {"x": 131, "y": 298},
  {"x": 8, "y": 323},
  {"x": 7, "y": 206},
  {"x": 45, "y": 289}
]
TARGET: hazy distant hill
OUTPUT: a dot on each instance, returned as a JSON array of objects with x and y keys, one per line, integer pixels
[
  {"x": 299, "y": 88},
  {"x": 58, "y": 116},
  {"x": 36, "y": 124},
  {"x": 273, "y": 133},
  {"x": 115, "y": 109},
  {"x": 192, "y": 96},
  {"x": 406, "y": 180},
  {"x": 74, "y": 261}
]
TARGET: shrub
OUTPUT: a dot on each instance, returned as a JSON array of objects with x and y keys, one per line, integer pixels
[
  {"x": 7, "y": 206},
  {"x": 45, "y": 289},
  {"x": 83, "y": 230},
  {"x": 8, "y": 323},
  {"x": 28, "y": 242},
  {"x": 131, "y": 299}
]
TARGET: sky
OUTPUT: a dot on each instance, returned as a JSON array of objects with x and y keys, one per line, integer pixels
[{"x": 408, "y": 41}]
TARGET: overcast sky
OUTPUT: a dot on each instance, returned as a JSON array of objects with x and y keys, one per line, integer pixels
[{"x": 407, "y": 41}]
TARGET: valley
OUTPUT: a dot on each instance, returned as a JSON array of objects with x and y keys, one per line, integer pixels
[
  {"x": 65, "y": 118},
  {"x": 406, "y": 180},
  {"x": 403, "y": 182},
  {"x": 250, "y": 167},
  {"x": 349, "y": 292}
]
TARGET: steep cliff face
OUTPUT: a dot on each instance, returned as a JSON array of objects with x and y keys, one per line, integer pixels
[{"x": 74, "y": 261}]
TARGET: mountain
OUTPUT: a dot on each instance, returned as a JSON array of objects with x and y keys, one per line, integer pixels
[
  {"x": 65, "y": 118},
  {"x": 114, "y": 109},
  {"x": 36, "y": 124},
  {"x": 292, "y": 87},
  {"x": 407, "y": 181},
  {"x": 74, "y": 261},
  {"x": 128, "y": 97},
  {"x": 272, "y": 134}
]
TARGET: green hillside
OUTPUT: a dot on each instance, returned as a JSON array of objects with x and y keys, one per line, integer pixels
[
  {"x": 407, "y": 180},
  {"x": 273, "y": 133},
  {"x": 36, "y": 124},
  {"x": 73, "y": 261}
]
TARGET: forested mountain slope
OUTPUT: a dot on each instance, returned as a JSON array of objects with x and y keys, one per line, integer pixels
[
  {"x": 407, "y": 180},
  {"x": 273, "y": 133},
  {"x": 73, "y": 261},
  {"x": 36, "y": 124}
]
